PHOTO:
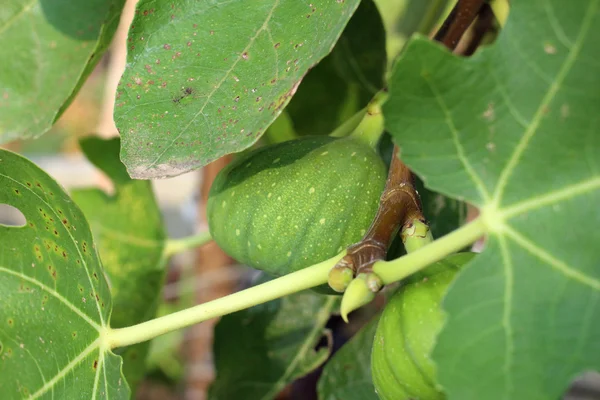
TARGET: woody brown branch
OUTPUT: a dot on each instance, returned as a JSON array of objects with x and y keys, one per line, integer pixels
[{"x": 400, "y": 203}]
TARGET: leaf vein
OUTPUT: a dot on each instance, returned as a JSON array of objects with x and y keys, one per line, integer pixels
[
  {"x": 558, "y": 30},
  {"x": 58, "y": 217},
  {"x": 550, "y": 198},
  {"x": 551, "y": 260},
  {"x": 506, "y": 320},
  {"x": 462, "y": 352},
  {"x": 457, "y": 144},
  {"x": 549, "y": 96},
  {"x": 18, "y": 15},
  {"x": 54, "y": 293},
  {"x": 507, "y": 100},
  {"x": 127, "y": 238},
  {"x": 17, "y": 344},
  {"x": 62, "y": 373},
  {"x": 99, "y": 367}
]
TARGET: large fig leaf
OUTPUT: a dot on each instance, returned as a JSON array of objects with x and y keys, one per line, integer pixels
[
  {"x": 130, "y": 235},
  {"x": 206, "y": 79},
  {"x": 55, "y": 303},
  {"x": 513, "y": 130},
  {"x": 258, "y": 351},
  {"x": 48, "y": 49}
]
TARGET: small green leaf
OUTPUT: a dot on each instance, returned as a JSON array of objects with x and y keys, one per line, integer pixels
[
  {"x": 206, "y": 79},
  {"x": 130, "y": 235},
  {"x": 258, "y": 351},
  {"x": 513, "y": 130},
  {"x": 48, "y": 49},
  {"x": 347, "y": 375},
  {"x": 55, "y": 302}
]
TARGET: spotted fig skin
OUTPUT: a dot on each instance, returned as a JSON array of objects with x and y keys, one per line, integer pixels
[
  {"x": 287, "y": 206},
  {"x": 401, "y": 366}
]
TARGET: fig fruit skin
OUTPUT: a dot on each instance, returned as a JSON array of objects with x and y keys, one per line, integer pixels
[
  {"x": 402, "y": 368},
  {"x": 284, "y": 207}
]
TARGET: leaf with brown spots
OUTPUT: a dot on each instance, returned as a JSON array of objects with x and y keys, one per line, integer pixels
[
  {"x": 130, "y": 235},
  {"x": 55, "y": 301},
  {"x": 242, "y": 61}
]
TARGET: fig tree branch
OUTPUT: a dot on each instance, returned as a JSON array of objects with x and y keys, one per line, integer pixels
[{"x": 399, "y": 204}]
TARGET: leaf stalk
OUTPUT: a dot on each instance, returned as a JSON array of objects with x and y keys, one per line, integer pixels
[
  {"x": 175, "y": 246},
  {"x": 400, "y": 268},
  {"x": 295, "y": 282}
]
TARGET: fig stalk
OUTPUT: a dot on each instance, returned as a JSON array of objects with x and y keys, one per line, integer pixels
[{"x": 398, "y": 206}]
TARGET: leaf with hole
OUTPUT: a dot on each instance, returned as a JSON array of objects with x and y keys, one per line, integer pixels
[
  {"x": 513, "y": 130},
  {"x": 56, "y": 303}
]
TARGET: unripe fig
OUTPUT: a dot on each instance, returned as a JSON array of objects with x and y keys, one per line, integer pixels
[
  {"x": 400, "y": 361},
  {"x": 284, "y": 207}
]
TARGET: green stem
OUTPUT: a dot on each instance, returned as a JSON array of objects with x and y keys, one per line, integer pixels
[
  {"x": 297, "y": 281},
  {"x": 367, "y": 124},
  {"x": 371, "y": 127},
  {"x": 175, "y": 246},
  {"x": 349, "y": 125},
  {"x": 400, "y": 268}
]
